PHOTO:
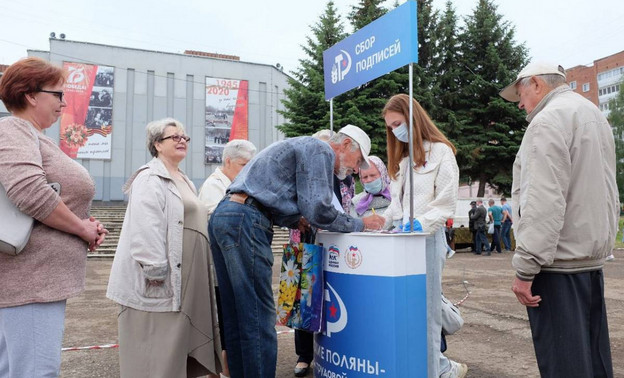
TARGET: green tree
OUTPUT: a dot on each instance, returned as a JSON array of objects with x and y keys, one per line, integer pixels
[
  {"x": 306, "y": 110},
  {"x": 447, "y": 70},
  {"x": 616, "y": 119},
  {"x": 490, "y": 129}
]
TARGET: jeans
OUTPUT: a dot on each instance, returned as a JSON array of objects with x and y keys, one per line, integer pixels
[
  {"x": 240, "y": 238},
  {"x": 435, "y": 252},
  {"x": 505, "y": 233},
  {"x": 481, "y": 240},
  {"x": 31, "y": 337}
]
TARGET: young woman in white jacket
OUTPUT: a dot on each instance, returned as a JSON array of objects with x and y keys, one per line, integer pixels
[{"x": 435, "y": 183}]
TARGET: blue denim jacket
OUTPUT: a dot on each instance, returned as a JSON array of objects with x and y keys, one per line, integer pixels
[{"x": 294, "y": 178}]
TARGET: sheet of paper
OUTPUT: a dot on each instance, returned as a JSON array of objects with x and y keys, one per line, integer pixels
[{"x": 337, "y": 203}]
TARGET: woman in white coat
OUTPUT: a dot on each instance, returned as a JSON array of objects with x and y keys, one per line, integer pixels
[
  {"x": 161, "y": 272},
  {"x": 435, "y": 183}
]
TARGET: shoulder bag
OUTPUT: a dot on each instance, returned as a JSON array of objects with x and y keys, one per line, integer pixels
[{"x": 15, "y": 226}]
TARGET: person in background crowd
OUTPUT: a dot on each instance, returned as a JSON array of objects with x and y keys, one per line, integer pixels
[
  {"x": 51, "y": 268},
  {"x": 450, "y": 238},
  {"x": 496, "y": 215},
  {"x": 161, "y": 273},
  {"x": 479, "y": 217},
  {"x": 506, "y": 224},
  {"x": 376, "y": 194},
  {"x": 283, "y": 186},
  {"x": 471, "y": 226},
  {"x": 236, "y": 154},
  {"x": 567, "y": 156},
  {"x": 434, "y": 200}
]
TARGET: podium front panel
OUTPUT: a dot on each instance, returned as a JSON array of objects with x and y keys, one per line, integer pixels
[{"x": 375, "y": 315}]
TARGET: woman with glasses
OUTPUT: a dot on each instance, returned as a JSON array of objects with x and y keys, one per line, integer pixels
[
  {"x": 51, "y": 268},
  {"x": 161, "y": 272}
]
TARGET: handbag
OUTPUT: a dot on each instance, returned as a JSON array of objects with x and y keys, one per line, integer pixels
[
  {"x": 15, "y": 226},
  {"x": 452, "y": 320},
  {"x": 491, "y": 228},
  {"x": 300, "y": 300}
]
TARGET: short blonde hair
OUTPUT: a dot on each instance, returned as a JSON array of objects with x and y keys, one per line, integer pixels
[{"x": 155, "y": 131}]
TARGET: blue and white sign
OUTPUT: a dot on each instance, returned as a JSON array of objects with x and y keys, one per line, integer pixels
[
  {"x": 375, "y": 321},
  {"x": 388, "y": 43}
]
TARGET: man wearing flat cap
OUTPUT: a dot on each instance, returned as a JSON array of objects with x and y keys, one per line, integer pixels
[{"x": 566, "y": 158}]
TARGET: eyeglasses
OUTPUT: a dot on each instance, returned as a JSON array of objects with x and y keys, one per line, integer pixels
[
  {"x": 177, "y": 138},
  {"x": 58, "y": 94}
]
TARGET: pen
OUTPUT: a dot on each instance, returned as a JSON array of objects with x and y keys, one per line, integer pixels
[{"x": 372, "y": 208}]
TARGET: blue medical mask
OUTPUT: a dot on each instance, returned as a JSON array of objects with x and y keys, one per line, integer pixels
[
  {"x": 401, "y": 133},
  {"x": 374, "y": 187}
]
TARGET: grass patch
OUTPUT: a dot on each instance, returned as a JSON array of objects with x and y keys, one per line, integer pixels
[{"x": 618, "y": 238}]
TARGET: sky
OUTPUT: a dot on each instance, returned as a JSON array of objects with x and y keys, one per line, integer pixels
[{"x": 570, "y": 32}]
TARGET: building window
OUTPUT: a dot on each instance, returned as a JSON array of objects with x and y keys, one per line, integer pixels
[
  {"x": 573, "y": 85},
  {"x": 586, "y": 87}
]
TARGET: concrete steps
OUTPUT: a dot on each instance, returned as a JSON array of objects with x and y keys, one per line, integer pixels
[{"x": 112, "y": 216}]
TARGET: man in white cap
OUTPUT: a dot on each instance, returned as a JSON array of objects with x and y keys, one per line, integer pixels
[
  {"x": 284, "y": 183},
  {"x": 567, "y": 156}
]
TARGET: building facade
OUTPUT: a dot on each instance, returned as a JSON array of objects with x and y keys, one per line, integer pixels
[
  {"x": 600, "y": 82},
  {"x": 150, "y": 85}
]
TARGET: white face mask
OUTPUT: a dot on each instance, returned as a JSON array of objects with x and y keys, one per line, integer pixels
[{"x": 401, "y": 133}]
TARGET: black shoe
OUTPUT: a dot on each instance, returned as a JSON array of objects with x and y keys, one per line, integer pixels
[
  {"x": 489, "y": 254},
  {"x": 301, "y": 372}
]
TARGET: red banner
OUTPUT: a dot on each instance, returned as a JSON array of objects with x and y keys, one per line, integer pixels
[
  {"x": 77, "y": 90},
  {"x": 239, "y": 122}
]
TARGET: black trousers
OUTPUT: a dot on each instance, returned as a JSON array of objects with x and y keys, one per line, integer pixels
[
  {"x": 570, "y": 332},
  {"x": 304, "y": 346}
]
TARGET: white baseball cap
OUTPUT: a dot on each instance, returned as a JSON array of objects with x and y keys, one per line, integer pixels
[
  {"x": 509, "y": 93},
  {"x": 362, "y": 139}
]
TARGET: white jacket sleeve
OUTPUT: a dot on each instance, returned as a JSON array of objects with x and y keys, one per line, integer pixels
[
  {"x": 148, "y": 222},
  {"x": 444, "y": 200},
  {"x": 394, "y": 212}
]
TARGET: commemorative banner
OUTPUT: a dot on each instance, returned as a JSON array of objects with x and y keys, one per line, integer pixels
[
  {"x": 375, "y": 317},
  {"x": 87, "y": 120},
  {"x": 227, "y": 104},
  {"x": 388, "y": 43}
]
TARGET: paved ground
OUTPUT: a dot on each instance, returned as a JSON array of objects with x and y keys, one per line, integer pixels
[{"x": 495, "y": 340}]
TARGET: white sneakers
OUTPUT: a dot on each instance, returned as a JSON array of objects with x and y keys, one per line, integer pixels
[
  {"x": 457, "y": 370},
  {"x": 610, "y": 257}
]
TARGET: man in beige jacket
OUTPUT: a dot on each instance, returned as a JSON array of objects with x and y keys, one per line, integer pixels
[{"x": 565, "y": 199}]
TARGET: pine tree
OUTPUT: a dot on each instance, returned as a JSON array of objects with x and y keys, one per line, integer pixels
[
  {"x": 490, "y": 129},
  {"x": 447, "y": 70},
  {"x": 616, "y": 119},
  {"x": 306, "y": 109}
]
